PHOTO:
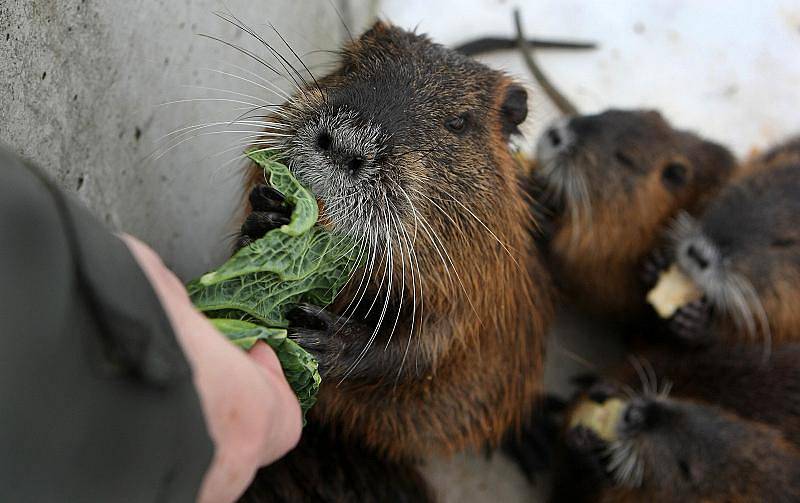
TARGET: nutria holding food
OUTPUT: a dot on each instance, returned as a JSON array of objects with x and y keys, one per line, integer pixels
[
  {"x": 739, "y": 261},
  {"x": 406, "y": 147}
]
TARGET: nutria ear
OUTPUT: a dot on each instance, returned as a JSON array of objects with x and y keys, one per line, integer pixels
[{"x": 514, "y": 109}]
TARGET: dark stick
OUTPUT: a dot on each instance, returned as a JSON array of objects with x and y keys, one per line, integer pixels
[
  {"x": 493, "y": 44},
  {"x": 562, "y": 103}
]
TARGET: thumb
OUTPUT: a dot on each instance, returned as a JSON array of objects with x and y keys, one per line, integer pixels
[{"x": 264, "y": 356}]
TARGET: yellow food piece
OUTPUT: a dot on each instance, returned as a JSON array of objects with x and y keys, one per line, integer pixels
[
  {"x": 673, "y": 291},
  {"x": 601, "y": 418}
]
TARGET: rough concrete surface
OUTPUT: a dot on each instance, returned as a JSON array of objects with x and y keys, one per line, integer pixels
[{"x": 81, "y": 84}]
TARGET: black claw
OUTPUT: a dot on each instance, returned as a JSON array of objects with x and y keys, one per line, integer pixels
[
  {"x": 311, "y": 317},
  {"x": 690, "y": 323},
  {"x": 259, "y": 223},
  {"x": 654, "y": 265},
  {"x": 242, "y": 241},
  {"x": 266, "y": 198}
]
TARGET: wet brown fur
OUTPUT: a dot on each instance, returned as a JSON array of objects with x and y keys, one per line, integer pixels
[
  {"x": 599, "y": 264},
  {"x": 776, "y": 281},
  {"x": 759, "y": 404},
  {"x": 478, "y": 350}
]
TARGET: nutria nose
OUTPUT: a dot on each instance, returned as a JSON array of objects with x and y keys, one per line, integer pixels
[
  {"x": 697, "y": 256},
  {"x": 350, "y": 161},
  {"x": 554, "y": 136},
  {"x": 635, "y": 416}
]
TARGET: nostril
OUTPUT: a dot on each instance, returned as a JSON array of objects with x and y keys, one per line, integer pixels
[
  {"x": 324, "y": 141},
  {"x": 634, "y": 415},
  {"x": 697, "y": 256},
  {"x": 554, "y": 137},
  {"x": 354, "y": 165}
]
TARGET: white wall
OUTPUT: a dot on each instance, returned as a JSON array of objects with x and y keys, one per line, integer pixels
[{"x": 727, "y": 69}]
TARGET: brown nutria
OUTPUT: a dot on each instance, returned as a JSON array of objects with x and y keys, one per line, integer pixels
[
  {"x": 612, "y": 183},
  {"x": 718, "y": 425},
  {"x": 406, "y": 146},
  {"x": 742, "y": 255},
  {"x": 606, "y": 186}
]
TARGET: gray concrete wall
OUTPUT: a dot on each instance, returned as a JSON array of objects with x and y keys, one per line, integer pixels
[{"x": 80, "y": 86}]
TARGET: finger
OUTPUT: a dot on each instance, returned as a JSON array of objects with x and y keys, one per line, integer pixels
[{"x": 265, "y": 357}]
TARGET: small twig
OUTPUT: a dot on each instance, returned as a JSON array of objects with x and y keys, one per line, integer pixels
[
  {"x": 493, "y": 44},
  {"x": 562, "y": 103}
]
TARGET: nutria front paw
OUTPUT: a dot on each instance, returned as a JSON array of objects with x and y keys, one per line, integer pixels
[
  {"x": 581, "y": 439},
  {"x": 656, "y": 263},
  {"x": 690, "y": 324},
  {"x": 270, "y": 211},
  {"x": 318, "y": 331}
]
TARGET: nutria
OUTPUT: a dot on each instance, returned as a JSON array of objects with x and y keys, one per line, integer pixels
[
  {"x": 718, "y": 425},
  {"x": 605, "y": 187},
  {"x": 743, "y": 256},
  {"x": 406, "y": 146},
  {"x": 612, "y": 183}
]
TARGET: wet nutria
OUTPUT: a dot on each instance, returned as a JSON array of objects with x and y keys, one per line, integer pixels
[
  {"x": 719, "y": 425},
  {"x": 405, "y": 145},
  {"x": 612, "y": 183},
  {"x": 743, "y": 256}
]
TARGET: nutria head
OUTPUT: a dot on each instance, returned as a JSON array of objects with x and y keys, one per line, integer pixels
[
  {"x": 701, "y": 437},
  {"x": 743, "y": 253},
  {"x": 681, "y": 450},
  {"x": 613, "y": 181},
  {"x": 405, "y": 139},
  {"x": 406, "y": 146}
]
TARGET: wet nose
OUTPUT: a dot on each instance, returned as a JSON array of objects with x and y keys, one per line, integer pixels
[
  {"x": 554, "y": 137},
  {"x": 348, "y": 160},
  {"x": 698, "y": 256}
]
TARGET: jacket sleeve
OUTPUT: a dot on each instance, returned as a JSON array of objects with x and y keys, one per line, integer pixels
[{"x": 97, "y": 398}]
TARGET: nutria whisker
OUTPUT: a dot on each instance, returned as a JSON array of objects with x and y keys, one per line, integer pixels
[
  {"x": 389, "y": 259},
  {"x": 290, "y": 69},
  {"x": 624, "y": 463},
  {"x": 486, "y": 227},
  {"x": 316, "y": 84},
  {"x": 416, "y": 279},
  {"x": 394, "y": 224},
  {"x": 256, "y": 58},
  {"x": 640, "y": 372},
  {"x": 747, "y": 310},
  {"x": 273, "y": 89}
]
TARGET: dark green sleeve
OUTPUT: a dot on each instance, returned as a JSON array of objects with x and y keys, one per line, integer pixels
[{"x": 96, "y": 397}]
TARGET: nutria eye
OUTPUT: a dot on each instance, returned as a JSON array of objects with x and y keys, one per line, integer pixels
[
  {"x": 674, "y": 175},
  {"x": 624, "y": 159},
  {"x": 457, "y": 124}
]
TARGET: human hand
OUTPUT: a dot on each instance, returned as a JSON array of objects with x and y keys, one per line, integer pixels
[{"x": 251, "y": 413}]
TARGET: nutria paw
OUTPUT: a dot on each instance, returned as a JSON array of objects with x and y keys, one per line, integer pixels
[
  {"x": 270, "y": 211},
  {"x": 315, "y": 330},
  {"x": 533, "y": 448},
  {"x": 656, "y": 263},
  {"x": 690, "y": 323}
]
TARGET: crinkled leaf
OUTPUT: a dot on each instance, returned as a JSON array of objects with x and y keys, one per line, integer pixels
[
  {"x": 299, "y": 367},
  {"x": 250, "y": 294},
  {"x": 275, "y": 251}
]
